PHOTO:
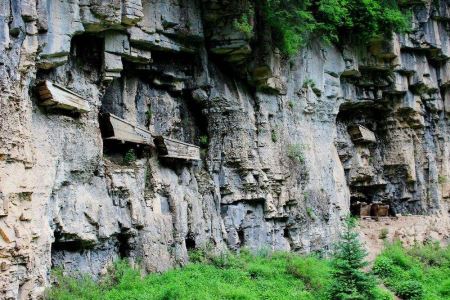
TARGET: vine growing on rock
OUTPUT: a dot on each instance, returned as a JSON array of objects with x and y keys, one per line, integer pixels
[{"x": 295, "y": 22}]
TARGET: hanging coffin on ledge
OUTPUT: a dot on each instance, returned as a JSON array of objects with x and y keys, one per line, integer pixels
[
  {"x": 56, "y": 96},
  {"x": 361, "y": 134},
  {"x": 115, "y": 128},
  {"x": 170, "y": 148}
]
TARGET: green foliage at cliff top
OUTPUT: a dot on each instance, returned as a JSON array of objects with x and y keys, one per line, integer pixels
[{"x": 295, "y": 22}]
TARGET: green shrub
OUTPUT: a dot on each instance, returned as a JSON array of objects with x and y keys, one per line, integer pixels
[
  {"x": 430, "y": 254},
  {"x": 421, "y": 272},
  {"x": 383, "y": 234},
  {"x": 442, "y": 179},
  {"x": 410, "y": 290},
  {"x": 295, "y": 22},
  {"x": 444, "y": 289},
  {"x": 203, "y": 140},
  {"x": 383, "y": 266},
  {"x": 149, "y": 114},
  {"x": 295, "y": 152},
  {"x": 243, "y": 25},
  {"x": 381, "y": 294},
  {"x": 274, "y": 136},
  {"x": 129, "y": 157}
]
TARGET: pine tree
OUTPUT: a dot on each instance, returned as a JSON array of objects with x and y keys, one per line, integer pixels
[{"x": 350, "y": 281}]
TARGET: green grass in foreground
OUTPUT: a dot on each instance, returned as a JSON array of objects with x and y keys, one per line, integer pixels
[
  {"x": 278, "y": 276},
  {"x": 422, "y": 272}
]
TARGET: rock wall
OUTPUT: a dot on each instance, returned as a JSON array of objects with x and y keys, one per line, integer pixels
[
  {"x": 410, "y": 230},
  {"x": 278, "y": 166}
]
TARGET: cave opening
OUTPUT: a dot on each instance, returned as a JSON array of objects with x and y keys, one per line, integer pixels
[
  {"x": 86, "y": 50},
  {"x": 194, "y": 111},
  {"x": 286, "y": 233},
  {"x": 241, "y": 237},
  {"x": 123, "y": 244},
  {"x": 190, "y": 243}
]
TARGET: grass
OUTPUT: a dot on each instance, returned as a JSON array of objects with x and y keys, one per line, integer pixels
[
  {"x": 243, "y": 276},
  {"x": 422, "y": 272}
]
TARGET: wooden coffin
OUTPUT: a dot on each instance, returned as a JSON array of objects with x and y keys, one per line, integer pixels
[
  {"x": 54, "y": 95},
  {"x": 362, "y": 209},
  {"x": 380, "y": 210},
  {"x": 115, "y": 128},
  {"x": 171, "y": 148},
  {"x": 359, "y": 133}
]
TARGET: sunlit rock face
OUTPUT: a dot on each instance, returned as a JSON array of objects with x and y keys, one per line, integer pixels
[{"x": 287, "y": 146}]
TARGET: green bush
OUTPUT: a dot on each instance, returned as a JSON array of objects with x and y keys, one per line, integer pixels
[
  {"x": 295, "y": 152},
  {"x": 444, "y": 289},
  {"x": 274, "y": 136},
  {"x": 383, "y": 234},
  {"x": 381, "y": 294},
  {"x": 203, "y": 139},
  {"x": 383, "y": 267},
  {"x": 243, "y": 25},
  {"x": 129, "y": 157},
  {"x": 295, "y": 22},
  {"x": 270, "y": 275},
  {"x": 421, "y": 272},
  {"x": 431, "y": 254},
  {"x": 410, "y": 290}
]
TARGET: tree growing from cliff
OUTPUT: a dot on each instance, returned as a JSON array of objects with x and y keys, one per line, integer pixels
[
  {"x": 350, "y": 281},
  {"x": 295, "y": 22}
]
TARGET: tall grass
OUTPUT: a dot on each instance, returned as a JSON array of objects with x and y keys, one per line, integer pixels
[
  {"x": 243, "y": 276},
  {"x": 422, "y": 272}
]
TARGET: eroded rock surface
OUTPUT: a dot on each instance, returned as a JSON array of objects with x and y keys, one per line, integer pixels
[{"x": 279, "y": 166}]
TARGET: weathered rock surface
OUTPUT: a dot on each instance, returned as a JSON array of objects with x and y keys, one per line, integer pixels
[{"x": 279, "y": 164}]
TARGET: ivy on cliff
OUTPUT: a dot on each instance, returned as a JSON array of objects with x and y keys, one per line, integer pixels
[{"x": 295, "y": 22}]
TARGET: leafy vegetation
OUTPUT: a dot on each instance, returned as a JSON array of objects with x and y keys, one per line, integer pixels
[
  {"x": 295, "y": 22},
  {"x": 295, "y": 152},
  {"x": 243, "y": 276},
  {"x": 203, "y": 140},
  {"x": 129, "y": 157},
  {"x": 418, "y": 273},
  {"x": 274, "y": 136},
  {"x": 422, "y": 272},
  {"x": 243, "y": 24},
  {"x": 383, "y": 233}
]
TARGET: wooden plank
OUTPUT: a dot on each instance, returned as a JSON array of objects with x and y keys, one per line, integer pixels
[
  {"x": 171, "y": 148},
  {"x": 115, "y": 128},
  {"x": 54, "y": 95}
]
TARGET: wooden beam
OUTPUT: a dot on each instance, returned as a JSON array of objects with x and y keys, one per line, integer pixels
[{"x": 54, "y": 95}]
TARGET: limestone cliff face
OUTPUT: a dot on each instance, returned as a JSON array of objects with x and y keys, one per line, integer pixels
[{"x": 282, "y": 153}]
